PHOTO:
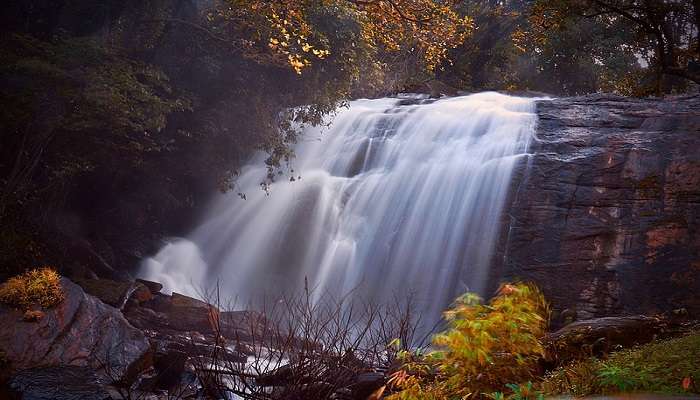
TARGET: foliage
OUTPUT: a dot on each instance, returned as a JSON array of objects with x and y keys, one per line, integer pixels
[
  {"x": 487, "y": 58},
  {"x": 578, "y": 46},
  {"x": 511, "y": 50},
  {"x": 122, "y": 117},
  {"x": 285, "y": 27},
  {"x": 668, "y": 366},
  {"x": 663, "y": 33},
  {"x": 484, "y": 348},
  {"x": 524, "y": 391},
  {"x": 74, "y": 95},
  {"x": 38, "y": 286}
]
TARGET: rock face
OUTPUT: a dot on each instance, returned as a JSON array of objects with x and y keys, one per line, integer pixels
[
  {"x": 81, "y": 331},
  {"x": 605, "y": 217}
]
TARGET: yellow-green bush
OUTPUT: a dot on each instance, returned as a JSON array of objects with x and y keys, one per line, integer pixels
[
  {"x": 39, "y": 286},
  {"x": 484, "y": 348}
]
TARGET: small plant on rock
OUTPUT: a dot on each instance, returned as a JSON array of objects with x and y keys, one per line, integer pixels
[
  {"x": 619, "y": 378},
  {"x": 38, "y": 286}
]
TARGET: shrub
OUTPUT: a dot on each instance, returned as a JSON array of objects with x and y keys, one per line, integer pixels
[
  {"x": 38, "y": 286},
  {"x": 484, "y": 348}
]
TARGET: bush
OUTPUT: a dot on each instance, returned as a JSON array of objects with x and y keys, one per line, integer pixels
[
  {"x": 38, "y": 286},
  {"x": 484, "y": 348}
]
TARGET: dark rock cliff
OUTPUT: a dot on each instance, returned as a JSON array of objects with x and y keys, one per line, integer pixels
[{"x": 605, "y": 215}]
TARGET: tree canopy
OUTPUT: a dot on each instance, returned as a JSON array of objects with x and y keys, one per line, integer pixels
[
  {"x": 158, "y": 102},
  {"x": 290, "y": 28},
  {"x": 661, "y": 34}
]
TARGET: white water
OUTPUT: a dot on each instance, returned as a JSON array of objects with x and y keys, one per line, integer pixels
[{"x": 392, "y": 199}]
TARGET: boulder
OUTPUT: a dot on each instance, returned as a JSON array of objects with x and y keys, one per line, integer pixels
[
  {"x": 176, "y": 313},
  {"x": 116, "y": 293},
  {"x": 160, "y": 303},
  {"x": 189, "y": 314},
  {"x": 154, "y": 287},
  {"x": 80, "y": 331},
  {"x": 111, "y": 292},
  {"x": 147, "y": 319},
  {"x": 594, "y": 337},
  {"x": 180, "y": 300},
  {"x": 140, "y": 293}
]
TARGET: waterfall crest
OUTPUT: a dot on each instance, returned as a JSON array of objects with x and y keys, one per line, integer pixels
[{"x": 395, "y": 196}]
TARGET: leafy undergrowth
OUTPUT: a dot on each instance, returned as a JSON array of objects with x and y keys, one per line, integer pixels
[
  {"x": 38, "y": 286},
  {"x": 669, "y": 366},
  {"x": 485, "y": 347}
]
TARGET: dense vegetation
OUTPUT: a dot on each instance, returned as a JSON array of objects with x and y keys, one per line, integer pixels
[{"x": 119, "y": 117}]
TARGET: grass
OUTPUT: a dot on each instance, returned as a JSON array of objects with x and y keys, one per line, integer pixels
[
  {"x": 658, "y": 367},
  {"x": 36, "y": 287}
]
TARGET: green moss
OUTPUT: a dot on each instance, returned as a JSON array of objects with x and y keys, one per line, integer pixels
[{"x": 658, "y": 367}]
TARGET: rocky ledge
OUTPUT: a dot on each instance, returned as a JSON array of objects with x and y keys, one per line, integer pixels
[
  {"x": 605, "y": 215},
  {"x": 122, "y": 340},
  {"x": 106, "y": 336}
]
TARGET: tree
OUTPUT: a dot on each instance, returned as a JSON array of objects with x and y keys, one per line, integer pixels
[
  {"x": 63, "y": 94},
  {"x": 666, "y": 31},
  {"x": 285, "y": 31}
]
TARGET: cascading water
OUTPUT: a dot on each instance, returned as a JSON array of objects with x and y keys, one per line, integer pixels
[{"x": 394, "y": 197}]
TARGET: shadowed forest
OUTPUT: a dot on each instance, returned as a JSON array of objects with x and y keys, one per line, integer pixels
[{"x": 119, "y": 117}]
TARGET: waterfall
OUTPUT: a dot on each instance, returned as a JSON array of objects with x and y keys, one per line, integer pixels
[{"x": 395, "y": 196}]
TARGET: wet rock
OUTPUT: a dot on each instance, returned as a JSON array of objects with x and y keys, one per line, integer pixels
[
  {"x": 147, "y": 319},
  {"x": 154, "y": 287},
  {"x": 79, "y": 331},
  {"x": 111, "y": 292},
  {"x": 140, "y": 293},
  {"x": 59, "y": 383},
  {"x": 604, "y": 214},
  {"x": 160, "y": 303}
]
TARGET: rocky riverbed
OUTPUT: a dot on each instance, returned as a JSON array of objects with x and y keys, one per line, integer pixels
[{"x": 117, "y": 340}]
